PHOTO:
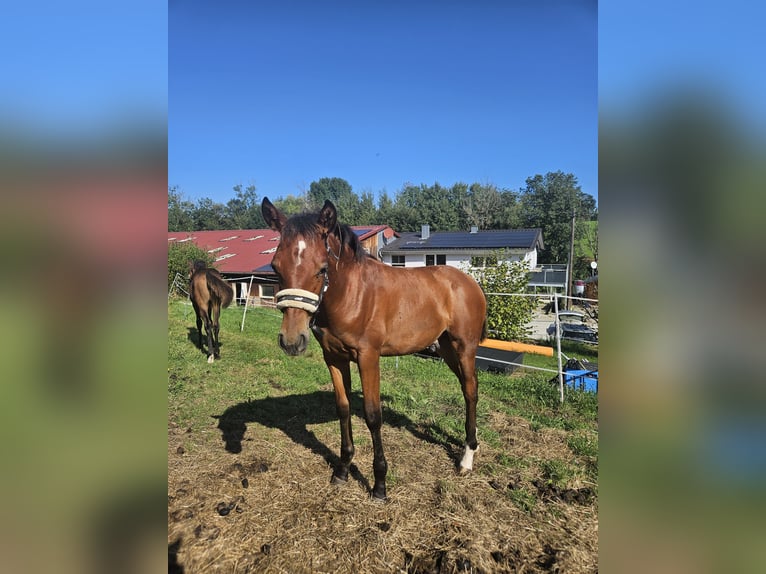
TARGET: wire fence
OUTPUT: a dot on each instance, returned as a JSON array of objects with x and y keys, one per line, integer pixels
[
  {"x": 555, "y": 319},
  {"x": 550, "y": 325}
]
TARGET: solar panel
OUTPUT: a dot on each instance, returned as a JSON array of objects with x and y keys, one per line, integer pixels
[{"x": 463, "y": 240}]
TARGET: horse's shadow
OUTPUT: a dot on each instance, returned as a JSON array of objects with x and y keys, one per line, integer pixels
[
  {"x": 293, "y": 413},
  {"x": 199, "y": 340}
]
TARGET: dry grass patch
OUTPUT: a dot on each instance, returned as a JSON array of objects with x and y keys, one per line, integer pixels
[{"x": 270, "y": 508}]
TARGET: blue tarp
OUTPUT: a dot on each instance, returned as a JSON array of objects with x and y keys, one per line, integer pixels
[{"x": 582, "y": 379}]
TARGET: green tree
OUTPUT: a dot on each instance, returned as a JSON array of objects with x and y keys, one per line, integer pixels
[
  {"x": 385, "y": 209},
  {"x": 548, "y": 202},
  {"x": 180, "y": 256},
  {"x": 434, "y": 205},
  {"x": 209, "y": 215},
  {"x": 244, "y": 210},
  {"x": 180, "y": 211},
  {"x": 339, "y": 192},
  {"x": 366, "y": 212},
  {"x": 508, "y": 316},
  {"x": 483, "y": 206},
  {"x": 586, "y": 250},
  {"x": 509, "y": 214},
  {"x": 290, "y": 205}
]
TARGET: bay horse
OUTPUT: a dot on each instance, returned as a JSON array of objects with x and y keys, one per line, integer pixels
[
  {"x": 208, "y": 293},
  {"x": 360, "y": 309}
]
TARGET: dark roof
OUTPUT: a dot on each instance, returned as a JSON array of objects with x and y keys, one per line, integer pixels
[
  {"x": 484, "y": 240},
  {"x": 246, "y": 251}
]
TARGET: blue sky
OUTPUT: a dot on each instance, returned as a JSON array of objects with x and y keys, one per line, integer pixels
[
  {"x": 653, "y": 48},
  {"x": 79, "y": 68},
  {"x": 280, "y": 94}
]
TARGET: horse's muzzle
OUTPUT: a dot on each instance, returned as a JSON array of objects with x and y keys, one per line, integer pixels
[{"x": 294, "y": 347}]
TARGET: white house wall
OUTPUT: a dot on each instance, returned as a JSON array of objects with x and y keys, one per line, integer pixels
[{"x": 460, "y": 260}]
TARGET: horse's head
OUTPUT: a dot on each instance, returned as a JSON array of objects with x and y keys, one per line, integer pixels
[
  {"x": 195, "y": 266},
  {"x": 300, "y": 263}
]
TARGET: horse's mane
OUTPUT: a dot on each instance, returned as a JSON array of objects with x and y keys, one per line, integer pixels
[{"x": 305, "y": 224}]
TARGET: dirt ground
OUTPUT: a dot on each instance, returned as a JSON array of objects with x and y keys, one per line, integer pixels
[{"x": 248, "y": 497}]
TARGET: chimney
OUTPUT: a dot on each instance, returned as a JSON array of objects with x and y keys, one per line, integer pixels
[
  {"x": 425, "y": 231},
  {"x": 474, "y": 229}
]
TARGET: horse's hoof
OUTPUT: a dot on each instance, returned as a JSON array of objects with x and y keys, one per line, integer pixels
[
  {"x": 338, "y": 480},
  {"x": 379, "y": 494},
  {"x": 462, "y": 471}
]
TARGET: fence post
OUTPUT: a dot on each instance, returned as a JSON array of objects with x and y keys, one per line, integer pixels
[
  {"x": 558, "y": 346},
  {"x": 247, "y": 298}
]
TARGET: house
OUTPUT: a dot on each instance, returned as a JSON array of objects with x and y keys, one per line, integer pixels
[
  {"x": 463, "y": 249},
  {"x": 244, "y": 256}
]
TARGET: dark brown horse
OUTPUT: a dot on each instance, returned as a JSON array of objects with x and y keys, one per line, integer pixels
[
  {"x": 208, "y": 293},
  {"x": 360, "y": 309}
]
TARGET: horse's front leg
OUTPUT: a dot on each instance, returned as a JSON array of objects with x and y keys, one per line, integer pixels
[
  {"x": 341, "y": 382},
  {"x": 369, "y": 371}
]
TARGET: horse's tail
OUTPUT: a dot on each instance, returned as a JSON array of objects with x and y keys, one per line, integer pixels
[
  {"x": 484, "y": 331},
  {"x": 221, "y": 288}
]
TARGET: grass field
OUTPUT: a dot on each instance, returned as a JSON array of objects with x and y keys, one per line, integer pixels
[{"x": 252, "y": 439}]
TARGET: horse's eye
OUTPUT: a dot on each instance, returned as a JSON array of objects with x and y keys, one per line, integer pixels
[{"x": 322, "y": 271}]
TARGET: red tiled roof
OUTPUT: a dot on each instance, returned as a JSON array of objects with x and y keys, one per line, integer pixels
[{"x": 246, "y": 251}]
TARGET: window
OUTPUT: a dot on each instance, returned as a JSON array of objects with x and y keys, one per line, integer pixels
[
  {"x": 267, "y": 290},
  {"x": 397, "y": 260},
  {"x": 436, "y": 259},
  {"x": 481, "y": 262}
]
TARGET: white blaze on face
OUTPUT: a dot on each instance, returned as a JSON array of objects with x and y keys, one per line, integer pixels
[{"x": 301, "y": 249}]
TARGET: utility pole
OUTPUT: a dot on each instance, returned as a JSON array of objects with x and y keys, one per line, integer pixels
[{"x": 570, "y": 269}]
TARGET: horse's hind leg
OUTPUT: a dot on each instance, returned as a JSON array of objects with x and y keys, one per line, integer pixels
[
  {"x": 216, "y": 351},
  {"x": 209, "y": 330},
  {"x": 461, "y": 359},
  {"x": 199, "y": 323}
]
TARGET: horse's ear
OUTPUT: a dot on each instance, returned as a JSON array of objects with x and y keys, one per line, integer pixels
[
  {"x": 328, "y": 216},
  {"x": 275, "y": 219}
]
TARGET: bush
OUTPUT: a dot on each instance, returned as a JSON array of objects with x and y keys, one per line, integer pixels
[
  {"x": 508, "y": 317},
  {"x": 179, "y": 257}
]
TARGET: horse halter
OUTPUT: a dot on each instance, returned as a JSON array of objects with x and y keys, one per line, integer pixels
[
  {"x": 306, "y": 300},
  {"x": 302, "y": 299}
]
